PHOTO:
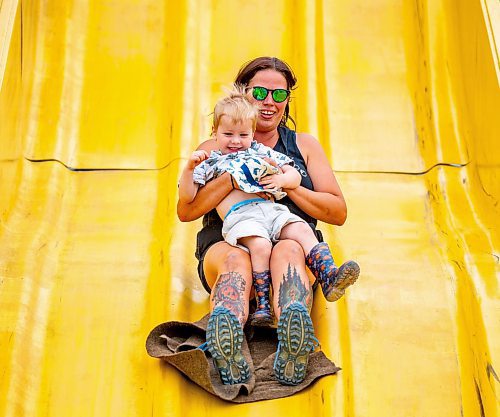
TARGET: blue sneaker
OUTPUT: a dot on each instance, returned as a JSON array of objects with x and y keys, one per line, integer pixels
[
  {"x": 295, "y": 342},
  {"x": 224, "y": 340}
]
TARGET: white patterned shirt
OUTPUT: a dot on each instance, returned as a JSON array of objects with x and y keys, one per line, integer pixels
[{"x": 247, "y": 168}]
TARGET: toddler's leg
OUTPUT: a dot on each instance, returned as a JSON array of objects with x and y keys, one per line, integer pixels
[
  {"x": 260, "y": 253},
  {"x": 333, "y": 280},
  {"x": 302, "y": 233},
  {"x": 319, "y": 259}
]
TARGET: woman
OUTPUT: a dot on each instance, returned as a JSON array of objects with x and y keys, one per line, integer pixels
[{"x": 226, "y": 271}]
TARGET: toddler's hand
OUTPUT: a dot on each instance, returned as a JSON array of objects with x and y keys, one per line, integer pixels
[
  {"x": 273, "y": 163},
  {"x": 196, "y": 158},
  {"x": 272, "y": 182}
]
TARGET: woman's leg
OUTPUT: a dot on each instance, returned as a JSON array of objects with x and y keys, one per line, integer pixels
[
  {"x": 228, "y": 272},
  {"x": 291, "y": 282},
  {"x": 292, "y": 302}
]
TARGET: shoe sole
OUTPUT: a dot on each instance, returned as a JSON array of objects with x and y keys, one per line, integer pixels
[
  {"x": 224, "y": 341},
  {"x": 295, "y": 343},
  {"x": 347, "y": 275}
]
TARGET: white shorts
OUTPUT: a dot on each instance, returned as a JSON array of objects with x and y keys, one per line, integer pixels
[{"x": 259, "y": 218}]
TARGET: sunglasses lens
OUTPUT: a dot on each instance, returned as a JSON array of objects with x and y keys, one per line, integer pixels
[
  {"x": 280, "y": 95},
  {"x": 259, "y": 93}
]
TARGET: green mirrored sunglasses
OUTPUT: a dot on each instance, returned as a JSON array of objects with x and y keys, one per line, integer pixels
[{"x": 279, "y": 95}]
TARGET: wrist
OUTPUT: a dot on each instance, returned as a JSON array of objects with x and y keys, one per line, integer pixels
[
  {"x": 291, "y": 190},
  {"x": 232, "y": 182}
]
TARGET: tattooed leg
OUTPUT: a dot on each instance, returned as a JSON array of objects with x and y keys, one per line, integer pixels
[
  {"x": 224, "y": 335},
  {"x": 290, "y": 279},
  {"x": 293, "y": 302},
  {"x": 292, "y": 289},
  {"x": 228, "y": 272},
  {"x": 230, "y": 292}
]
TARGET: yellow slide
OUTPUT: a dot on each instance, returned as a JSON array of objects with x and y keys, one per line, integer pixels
[{"x": 101, "y": 102}]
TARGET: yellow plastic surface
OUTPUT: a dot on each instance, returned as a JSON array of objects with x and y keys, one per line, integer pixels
[{"x": 403, "y": 95}]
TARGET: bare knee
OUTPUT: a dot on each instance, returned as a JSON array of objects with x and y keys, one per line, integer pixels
[
  {"x": 301, "y": 233},
  {"x": 298, "y": 228},
  {"x": 259, "y": 247},
  {"x": 288, "y": 251},
  {"x": 235, "y": 259}
]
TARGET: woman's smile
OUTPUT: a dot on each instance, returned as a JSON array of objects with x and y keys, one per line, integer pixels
[{"x": 267, "y": 114}]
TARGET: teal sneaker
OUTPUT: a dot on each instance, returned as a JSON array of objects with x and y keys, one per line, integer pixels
[
  {"x": 295, "y": 342},
  {"x": 224, "y": 341}
]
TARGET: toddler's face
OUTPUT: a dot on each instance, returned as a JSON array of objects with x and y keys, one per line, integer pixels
[{"x": 233, "y": 137}]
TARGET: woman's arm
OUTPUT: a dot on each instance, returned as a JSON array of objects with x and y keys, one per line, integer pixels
[
  {"x": 326, "y": 203},
  {"x": 208, "y": 197}
]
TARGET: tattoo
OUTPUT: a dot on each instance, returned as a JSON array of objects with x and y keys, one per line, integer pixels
[
  {"x": 229, "y": 292},
  {"x": 292, "y": 289},
  {"x": 309, "y": 300}
]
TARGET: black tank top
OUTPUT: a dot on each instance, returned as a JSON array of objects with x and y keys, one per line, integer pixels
[{"x": 211, "y": 231}]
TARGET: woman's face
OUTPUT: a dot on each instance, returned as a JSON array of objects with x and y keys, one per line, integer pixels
[{"x": 270, "y": 112}]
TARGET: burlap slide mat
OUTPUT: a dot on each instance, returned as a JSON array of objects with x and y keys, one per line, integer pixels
[{"x": 176, "y": 342}]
